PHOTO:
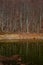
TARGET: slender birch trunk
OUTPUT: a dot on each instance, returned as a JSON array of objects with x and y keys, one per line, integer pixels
[
  {"x": 40, "y": 19},
  {"x": 21, "y": 20},
  {"x": 2, "y": 26},
  {"x": 7, "y": 24},
  {"x": 27, "y": 24}
]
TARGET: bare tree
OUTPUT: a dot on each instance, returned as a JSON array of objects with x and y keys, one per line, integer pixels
[{"x": 21, "y": 20}]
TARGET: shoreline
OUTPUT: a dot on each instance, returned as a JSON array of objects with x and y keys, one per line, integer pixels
[{"x": 20, "y": 37}]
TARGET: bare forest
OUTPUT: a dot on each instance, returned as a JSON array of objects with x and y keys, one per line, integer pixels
[{"x": 18, "y": 16}]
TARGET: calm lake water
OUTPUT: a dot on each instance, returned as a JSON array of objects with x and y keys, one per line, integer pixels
[{"x": 30, "y": 51}]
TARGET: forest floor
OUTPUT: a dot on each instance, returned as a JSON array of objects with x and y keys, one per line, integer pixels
[{"x": 20, "y": 36}]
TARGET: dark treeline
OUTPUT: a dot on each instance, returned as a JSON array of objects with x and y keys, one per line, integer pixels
[{"x": 21, "y": 16}]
